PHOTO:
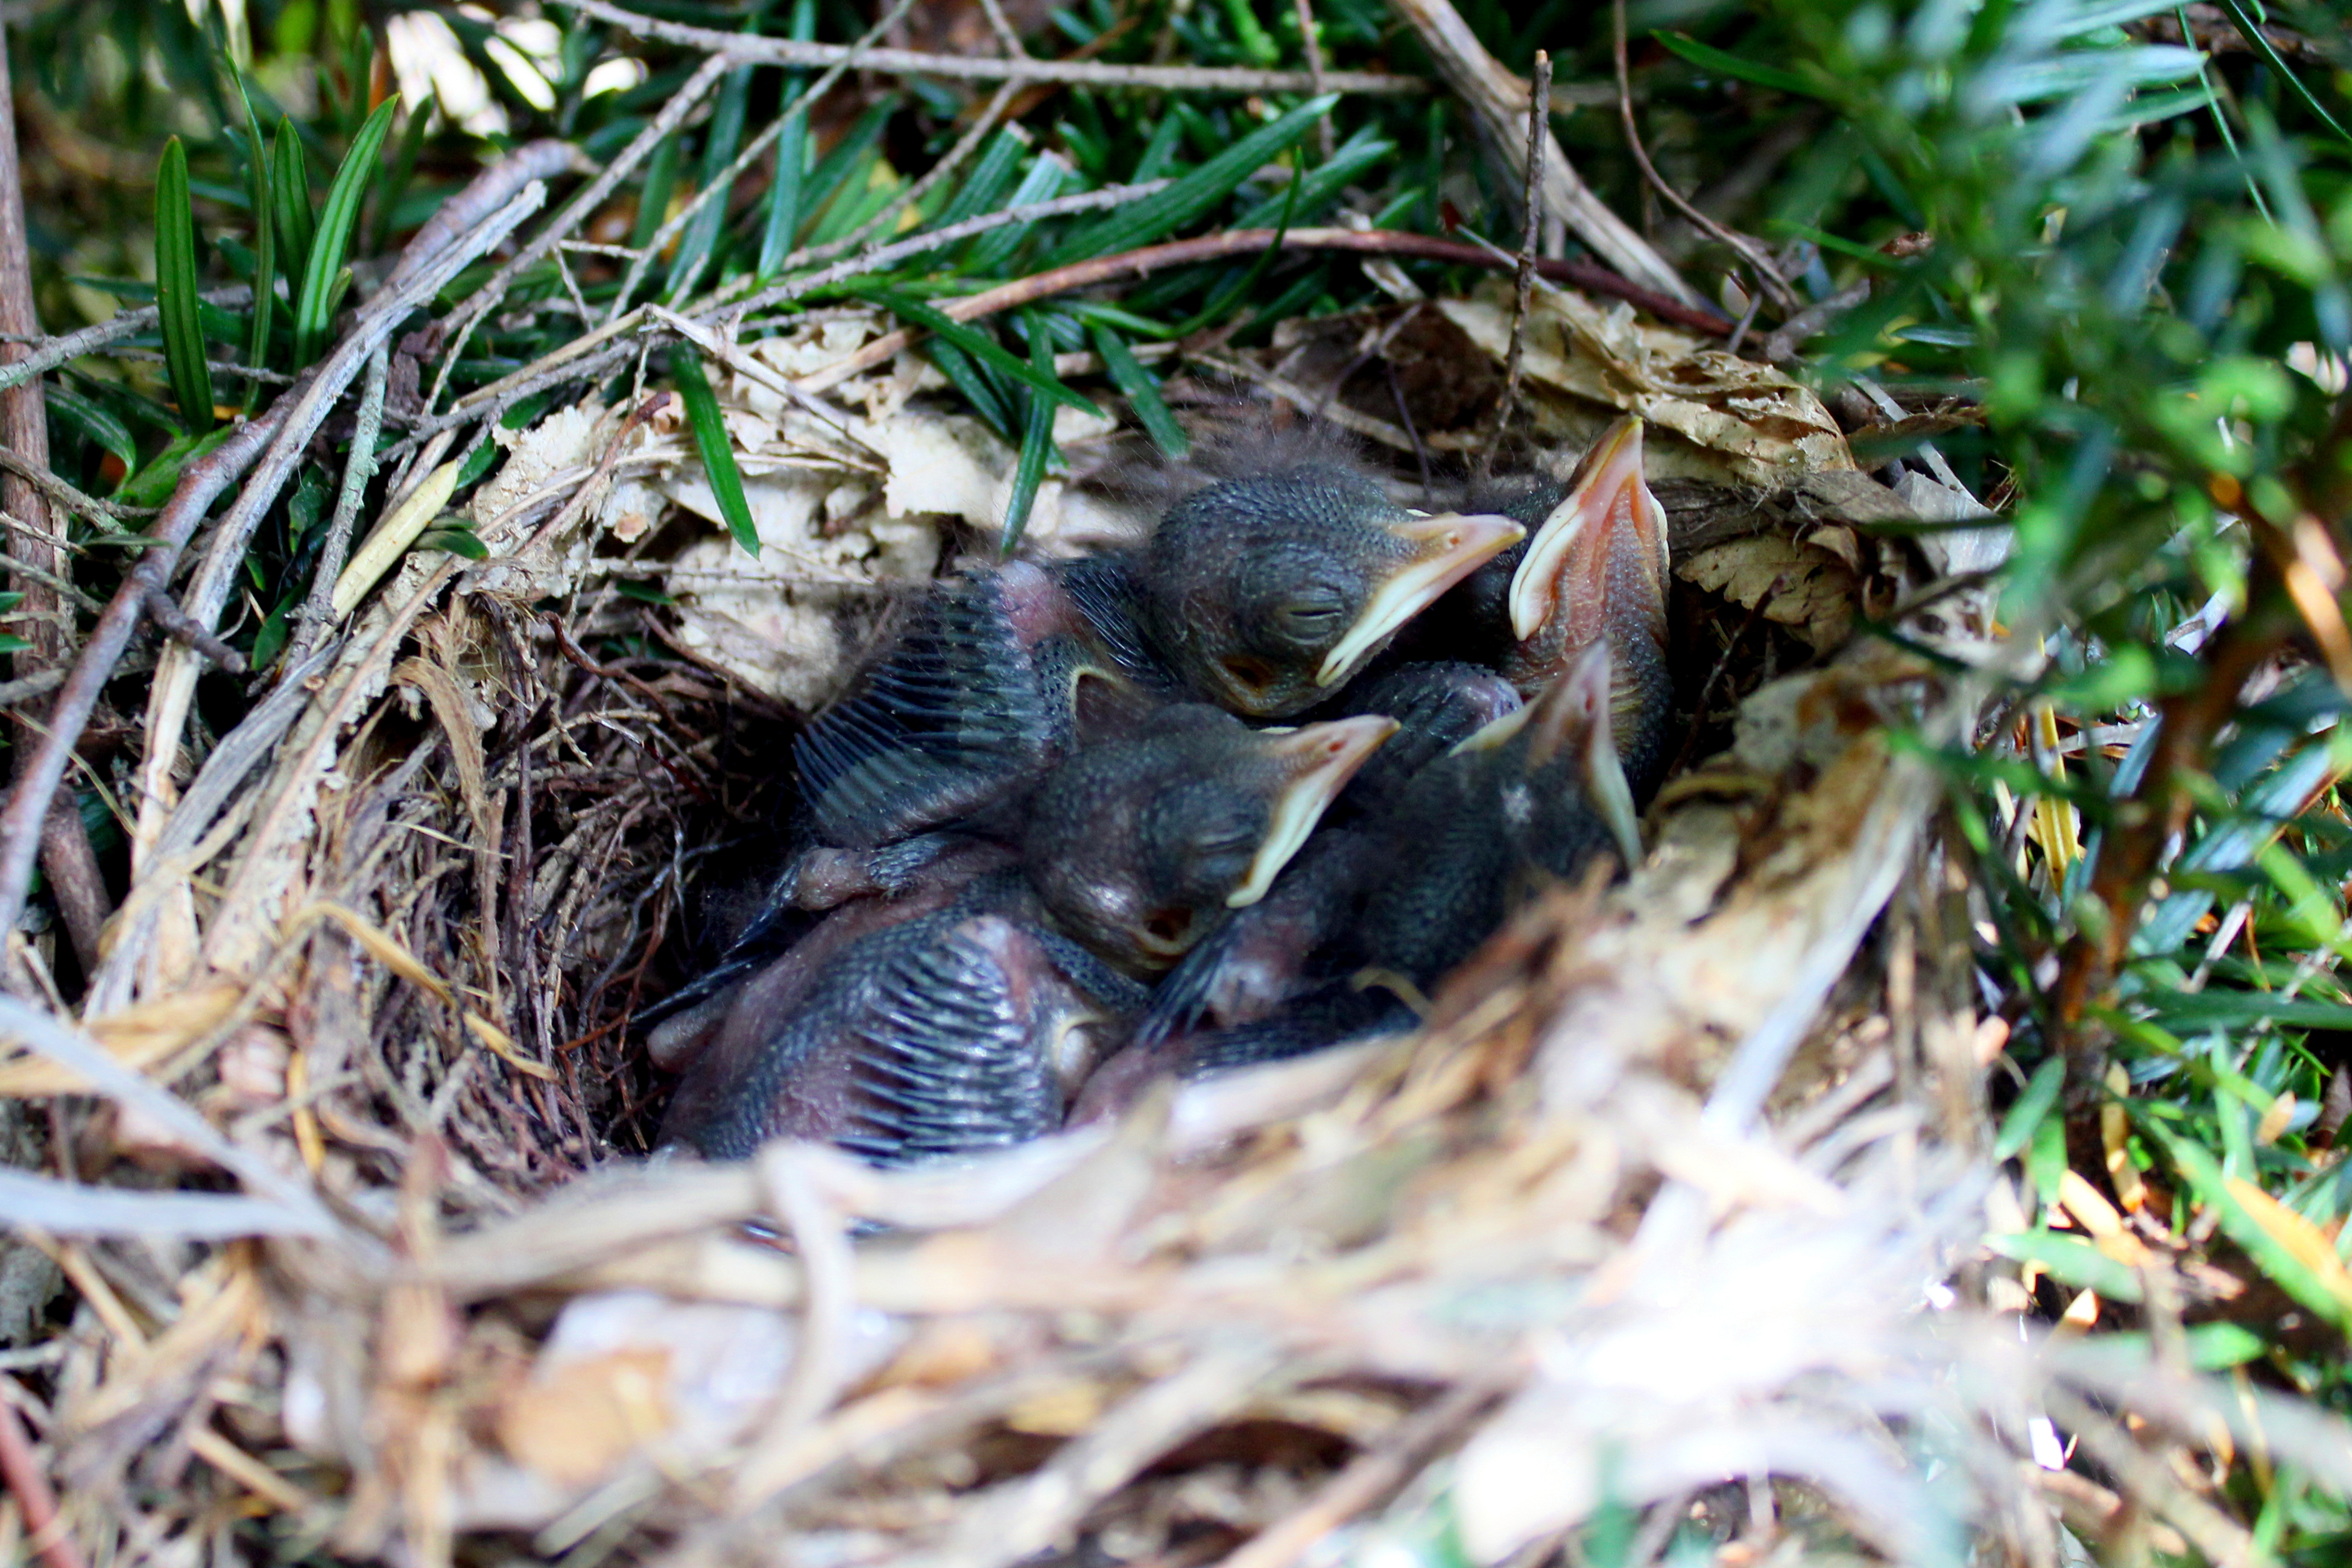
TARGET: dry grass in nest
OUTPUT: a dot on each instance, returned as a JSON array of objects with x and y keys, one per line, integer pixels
[{"x": 1667, "y": 1216}]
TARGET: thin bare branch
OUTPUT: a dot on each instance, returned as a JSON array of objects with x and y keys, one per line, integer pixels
[
  {"x": 985, "y": 67},
  {"x": 1768, "y": 276}
]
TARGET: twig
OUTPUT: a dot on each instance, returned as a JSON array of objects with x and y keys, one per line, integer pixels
[
  {"x": 670, "y": 230},
  {"x": 1413, "y": 431},
  {"x": 484, "y": 194},
  {"x": 14, "y": 691},
  {"x": 458, "y": 325},
  {"x": 1539, "y": 126},
  {"x": 66, "y": 852},
  {"x": 1498, "y": 100},
  {"x": 45, "y": 1532},
  {"x": 37, "y": 778},
  {"x": 951, "y": 161},
  {"x": 1766, "y": 275},
  {"x": 880, "y": 256},
  {"x": 1374, "y": 1473},
  {"x": 175, "y": 623},
  {"x": 1786, "y": 338},
  {"x": 1304, "y": 10},
  {"x": 1241, "y": 242},
  {"x": 55, "y": 352},
  {"x": 985, "y": 67},
  {"x": 311, "y": 625},
  {"x": 308, "y": 405},
  {"x": 36, "y": 474},
  {"x": 1004, "y": 31}
]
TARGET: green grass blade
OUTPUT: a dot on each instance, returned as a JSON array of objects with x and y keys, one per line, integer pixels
[
  {"x": 2034, "y": 1103},
  {"x": 1042, "y": 183},
  {"x": 719, "y": 148},
  {"x": 990, "y": 178},
  {"x": 784, "y": 217},
  {"x": 96, "y": 422},
  {"x": 1166, "y": 211},
  {"x": 1142, "y": 390},
  {"x": 1707, "y": 56},
  {"x": 853, "y": 154},
  {"x": 1356, "y": 157},
  {"x": 289, "y": 201},
  {"x": 314, "y": 309},
  {"x": 1036, "y": 440},
  {"x": 2204, "y": 1177},
  {"x": 710, "y": 440},
  {"x": 403, "y": 170},
  {"x": 259, "y": 186},
  {"x": 975, "y": 385},
  {"x": 977, "y": 343},
  {"x": 1232, "y": 293},
  {"x": 653, "y": 196},
  {"x": 175, "y": 290}
]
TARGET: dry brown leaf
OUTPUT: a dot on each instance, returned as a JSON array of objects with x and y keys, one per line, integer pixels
[
  {"x": 140, "y": 1036},
  {"x": 1750, "y": 423},
  {"x": 1799, "y": 585}
]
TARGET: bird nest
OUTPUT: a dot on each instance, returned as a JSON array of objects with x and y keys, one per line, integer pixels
[{"x": 1659, "y": 1234}]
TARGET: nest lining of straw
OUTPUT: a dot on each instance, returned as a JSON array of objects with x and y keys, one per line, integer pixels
[{"x": 1648, "y": 1216}]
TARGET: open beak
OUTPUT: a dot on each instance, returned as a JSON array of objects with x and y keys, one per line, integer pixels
[
  {"x": 1444, "y": 550},
  {"x": 1572, "y": 715},
  {"x": 1573, "y": 549},
  {"x": 1316, "y": 762}
]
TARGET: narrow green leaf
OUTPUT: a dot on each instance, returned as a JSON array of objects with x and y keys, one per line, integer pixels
[
  {"x": 289, "y": 201},
  {"x": 784, "y": 218},
  {"x": 2034, "y": 1103},
  {"x": 1037, "y": 439},
  {"x": 1358, "y": 155},
  {"x": 455, "y": 540},
  {"x": 11, "y": 643},
  {"x": 403, "y": 170},
  {"x": 782, "y": 221},
  {"x": 314, "y": 309},
  {"x": 1142, "y": 390},
  {"x": 1042, "y": 183},
  {"x": 100, "y": 424},
  {"x": 976, "y": 343},
  {"x": 175, "y": 290},
  {"x": 991, "y": 175},
  {"x": 653, "y": 196},
  {"x": 2073, "y": 1261},
  {"x": 1196, "y": 192},
  {"x": 2204, "y": 1177},
  {"x": 152, "y": 485},
  {"x": 710, "y": 440},
  {"x": 977, "y": 385},
  {"x": 643, "y": 592},
  {"x": 1232, "y": 293},
  {"x": 259, "y": 187},
  {"x": 1708, "y": 57},
  {"x": 720, "y": 142},
  {"x": 843, "y": 170}
]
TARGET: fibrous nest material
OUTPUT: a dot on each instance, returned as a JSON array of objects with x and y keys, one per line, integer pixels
[{"x": 1668, "y": 1215}]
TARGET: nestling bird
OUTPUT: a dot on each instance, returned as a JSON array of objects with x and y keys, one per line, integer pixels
[
  {"x": 1402, "y": 896},
  {"x": 941, "y": 1033},
  {"x": 997, "y": 677},
  {"x": 1595, "y": 571},
  {"x": 1267, "y": 595},
  {"x": 1135, "y": 846}
]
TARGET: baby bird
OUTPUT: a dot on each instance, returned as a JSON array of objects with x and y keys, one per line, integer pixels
[
  {"x": 943, "y": 1032},
  {"x": 1137, "y": 846},
  {"x": 1595, "y": 573},
  {"x": 994, "y": 680},
  {"x": 1267, "y": 595}
]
